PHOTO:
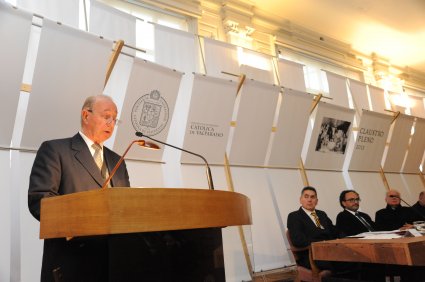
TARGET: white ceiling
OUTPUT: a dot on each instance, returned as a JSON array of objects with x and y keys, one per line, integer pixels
[{"x": 393, "y": 29}]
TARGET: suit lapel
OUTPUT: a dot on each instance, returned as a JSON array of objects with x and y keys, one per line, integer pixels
[
  {"x": 307, "y": 218},
  {"x": 83, "y": 156},
  {"x": 109, "y": 165}
]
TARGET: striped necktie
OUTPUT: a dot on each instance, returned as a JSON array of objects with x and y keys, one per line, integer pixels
[
  {"x": 316, "y": 219},
  {"x": 97, "y": 155}
]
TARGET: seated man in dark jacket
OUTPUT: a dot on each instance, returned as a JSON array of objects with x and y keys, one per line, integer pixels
[
  {"x": 419, "y": 207},
  {"x": 351, "y": 221},
  {"x": 394, "y": 215},
  {"x": 307, "y": 225}
]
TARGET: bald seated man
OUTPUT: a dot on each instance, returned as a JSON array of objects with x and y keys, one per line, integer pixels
[{"x": 394, "y": 216}]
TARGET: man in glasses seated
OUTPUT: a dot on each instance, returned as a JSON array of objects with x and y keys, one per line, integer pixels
[
  {"x": 394, "y": 215},
  {"x": 351, "y": 221}
]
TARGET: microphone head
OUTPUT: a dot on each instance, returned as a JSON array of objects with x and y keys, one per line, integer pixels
[
  {"x": 148, "y": 145},
  {"x": 140, "y": 134}
]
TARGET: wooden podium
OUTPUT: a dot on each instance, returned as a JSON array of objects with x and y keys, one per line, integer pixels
[{"x": 154, "y": 234}]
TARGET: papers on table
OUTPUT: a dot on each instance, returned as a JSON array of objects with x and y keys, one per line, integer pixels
[
  {"x": 380, "y": 235},
  {"x": 388, "y": 234}
]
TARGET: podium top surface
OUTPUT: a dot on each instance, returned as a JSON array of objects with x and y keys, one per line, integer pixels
[{"x": 129, "y": 210}]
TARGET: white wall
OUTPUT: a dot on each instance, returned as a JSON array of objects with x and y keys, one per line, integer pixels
[{"x": 273, "y": 193}]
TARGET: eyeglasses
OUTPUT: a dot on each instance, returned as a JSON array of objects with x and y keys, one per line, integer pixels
[
  {"x": 393, "y": 196},
  {"x": 353, "y": 200},
  {"x": 108, "y": 119}
]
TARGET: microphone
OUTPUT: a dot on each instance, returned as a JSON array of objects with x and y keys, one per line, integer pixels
[
  {"x": 142, "y": 143},
  {"x": 415, "y": 210},
  {"x": 209, "y": 177}
]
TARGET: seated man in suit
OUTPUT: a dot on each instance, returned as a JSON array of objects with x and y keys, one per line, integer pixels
[
  {"x": 394, "y": 215},
  {"x": 307, "y": 225},
  {"x": 350, "y": 221},
  {"x": 419, "y": 207}
]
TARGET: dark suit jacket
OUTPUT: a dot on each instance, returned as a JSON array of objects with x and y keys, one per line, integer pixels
[
  {"x": 303, "y": 231},
  {"x": 65, "y": 166},
  {"x": 347, "y": 223},
  {"x": 419, "y": 211},
  {"x": 389, "y": 219},
  {"x": 62, "y": 167}
]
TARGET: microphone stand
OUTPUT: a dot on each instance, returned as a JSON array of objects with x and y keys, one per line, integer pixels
[
  {"x": 141, "y": 143},
  {"x": 208, "y": 170}
]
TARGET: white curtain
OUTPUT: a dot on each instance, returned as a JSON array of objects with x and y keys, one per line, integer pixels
[
  {"x": 256, "y": 66},
  {"x": 291, "y": 75},
  {"x": 112, "y": 24},
  {"x": 12, "y": 63},
  {"x": 254, "y": 122},
  {"x": 359, "y": 95},
  {"x": 257, "y": 74},
  {"x": 416, "y": 148},
  {"x": 394, "y": 98},
  {"x": 71, "y": 65},
  {"x": 337, "y": 89},
  {"x": 398, "y": 144},
  {"x": 176, "y": 49},
  {"x": 220, "y": 57},
  {"x": 377, "y": 98},
  {"x": 291, "y": 127},
  {"x": 417, "y": 108}
]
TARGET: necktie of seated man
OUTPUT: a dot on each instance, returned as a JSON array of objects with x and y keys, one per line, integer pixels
[
  {"x": 316, "y": 219},
  {"x": 364, "y": 222}
]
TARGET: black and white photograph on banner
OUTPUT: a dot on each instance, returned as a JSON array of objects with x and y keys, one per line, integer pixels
[{"x": 333, "y": 136}]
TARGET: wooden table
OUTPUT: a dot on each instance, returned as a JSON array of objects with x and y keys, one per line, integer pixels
[{"x": 402, "y": 251}]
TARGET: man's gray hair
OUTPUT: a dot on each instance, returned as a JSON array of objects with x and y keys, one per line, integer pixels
[{"x": 90, "y": 101}]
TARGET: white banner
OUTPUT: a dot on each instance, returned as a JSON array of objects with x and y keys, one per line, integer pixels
[
  {"x": 71, "y": 65},
  {"x": 397, "y": 102},
  {"x": 330, "y": 136},
  {"x": 261, "y": 70},
  {"x": 253, "y": 123},
  {"x": 291, "y": 128},
  {"x": 112, "y": 24},
  {"x": 15, "y": 27},
  {"x": 417, "y": 108},
  {"x": 291, "y": 75},
  {"x": 220, "y": 57},
  {"x": 416, "y": 148},
  {"x": 337, "y": 89},
  {"x": 148, "y": 107},
  {"x": 64, "y": 11},
  {"x": 208, "y": 124},
  {"x": 370, "y": 142},
  {"x": 377, "y": 98},
  {"x": 359, "y": 96},
  {"x": 175, "y": 48},
  {"x": 398, "y": 144},
  {"x": 257, "y": 74}
]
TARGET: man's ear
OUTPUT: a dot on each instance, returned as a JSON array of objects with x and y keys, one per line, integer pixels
[{"x": 84, "y": 115}]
